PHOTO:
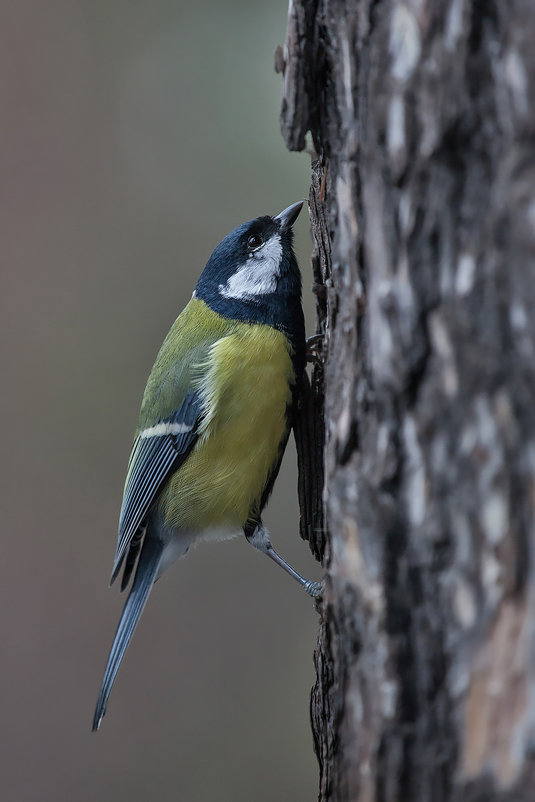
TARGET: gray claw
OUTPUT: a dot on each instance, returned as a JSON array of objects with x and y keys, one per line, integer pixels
[{"x": 314, "y": 589}]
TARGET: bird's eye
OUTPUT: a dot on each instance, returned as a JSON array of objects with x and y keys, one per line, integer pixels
[{"x": 255, "y": 241}]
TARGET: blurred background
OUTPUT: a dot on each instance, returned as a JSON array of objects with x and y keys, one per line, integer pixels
[{"x": 134, "y": 136}]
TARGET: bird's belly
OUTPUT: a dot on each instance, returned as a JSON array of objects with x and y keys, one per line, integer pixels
[{"x": 248, "y": 393}]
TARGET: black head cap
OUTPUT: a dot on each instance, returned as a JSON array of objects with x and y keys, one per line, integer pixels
[{"x": 253, "y": 275}]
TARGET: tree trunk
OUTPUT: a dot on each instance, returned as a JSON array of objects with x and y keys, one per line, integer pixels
[{"x": 422, "y": 117}]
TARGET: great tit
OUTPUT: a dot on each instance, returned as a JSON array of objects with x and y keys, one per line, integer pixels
[{"x": 215, "y": 417}]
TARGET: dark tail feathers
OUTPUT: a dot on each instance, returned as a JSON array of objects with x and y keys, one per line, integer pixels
[{"x": 145, "y": 575}]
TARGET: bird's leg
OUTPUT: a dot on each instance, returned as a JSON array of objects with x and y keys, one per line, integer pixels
[{"x": 259, "y": 538}]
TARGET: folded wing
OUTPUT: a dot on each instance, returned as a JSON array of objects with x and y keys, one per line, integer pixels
[{"x": 157, "y": 452}]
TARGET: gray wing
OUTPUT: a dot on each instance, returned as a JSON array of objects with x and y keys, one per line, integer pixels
[{"x": 157, "y": 452}]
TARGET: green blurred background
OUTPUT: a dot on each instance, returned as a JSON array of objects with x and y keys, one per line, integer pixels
[{"x": 134, "y": 136}]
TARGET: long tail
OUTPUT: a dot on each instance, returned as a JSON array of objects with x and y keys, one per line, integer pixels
[{"x": 146, "y": 573}]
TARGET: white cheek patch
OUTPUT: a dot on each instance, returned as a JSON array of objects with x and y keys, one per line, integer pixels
[
  {"x": 162, "y": 429},
  {"x": 258, "y": 275}
]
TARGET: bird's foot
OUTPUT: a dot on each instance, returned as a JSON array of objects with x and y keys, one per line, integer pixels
[
  {"x": 313, "y": 348},
  {"x": 314, "y": 589}
]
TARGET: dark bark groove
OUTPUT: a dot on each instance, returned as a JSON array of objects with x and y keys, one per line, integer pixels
[{"x": 422, "y": 118}]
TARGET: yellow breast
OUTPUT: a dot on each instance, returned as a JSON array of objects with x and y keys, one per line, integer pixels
[{"x": 247, "y": 386}]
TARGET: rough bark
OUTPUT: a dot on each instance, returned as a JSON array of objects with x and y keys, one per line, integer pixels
[{"x": 422, "y": 119}]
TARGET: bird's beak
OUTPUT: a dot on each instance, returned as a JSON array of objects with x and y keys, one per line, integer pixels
[{"x": 288, "y": 217}]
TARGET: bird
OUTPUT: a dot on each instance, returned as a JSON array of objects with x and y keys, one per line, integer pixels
[{"x": 215, "y": 418}]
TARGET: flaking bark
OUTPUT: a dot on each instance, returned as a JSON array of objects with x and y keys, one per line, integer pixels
[{"x": 422, "y": 121}]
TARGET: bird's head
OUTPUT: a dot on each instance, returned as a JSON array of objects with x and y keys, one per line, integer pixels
[{"x": 253, "y": 275}]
